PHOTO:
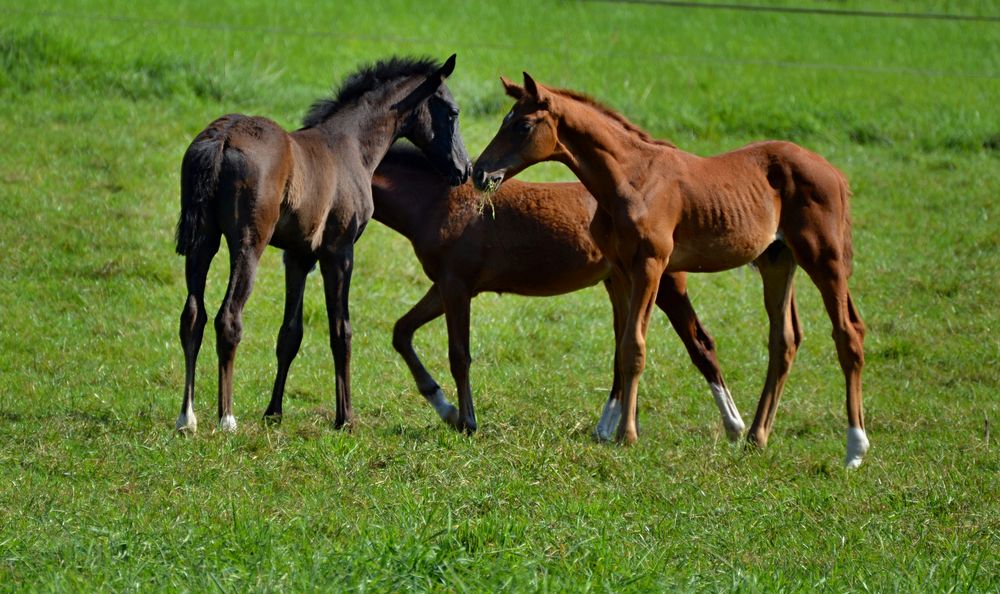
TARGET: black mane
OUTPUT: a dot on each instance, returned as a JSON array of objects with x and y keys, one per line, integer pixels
[{"x": 367, "y": 79}]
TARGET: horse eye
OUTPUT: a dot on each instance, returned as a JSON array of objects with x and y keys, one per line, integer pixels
[{"x": 523, "y": 127}]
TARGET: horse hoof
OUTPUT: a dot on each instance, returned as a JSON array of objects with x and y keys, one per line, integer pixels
[
  {"x": 345, "y": 422},
  {"x": 610, "y": 417},
  {"x": 601, "y": 435},
  {"x": 734, "y": 430},
  {"x": 187, "y": 424},
  {"x": 628, "y": 437},
  {"x": 227, "y": 424},
  {"x": 272, "y": 419},
  {"x": 857, "y": 446},
  {"x": 756, "y": 440},
  {"x": 446, "y": 410}
]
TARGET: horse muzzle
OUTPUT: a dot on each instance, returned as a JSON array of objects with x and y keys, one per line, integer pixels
[
  {"x": 484, "y": 181},
  {"x": 462, "y": 176}
]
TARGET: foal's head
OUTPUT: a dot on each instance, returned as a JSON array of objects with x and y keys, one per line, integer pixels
[
  {"x": 414, "y": 92},
  {"x": 528, "y": 135},
  {"x": 431, "y": 123}
]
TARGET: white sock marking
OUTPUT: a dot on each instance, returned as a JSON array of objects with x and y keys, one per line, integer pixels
[
  {"x": 187, "y": 422},
  {"x": 731, "y": 419},
  {"x": 227, "y": 424},
  {"x": 857, "y": 445},
  {"x": 445, "y": 409},
  {"x": 610, "y": 417}
]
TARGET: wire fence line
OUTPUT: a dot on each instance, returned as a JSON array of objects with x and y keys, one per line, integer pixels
[
  {"x": 815, "y": 11},
  {"x": 493, "y": 46}
]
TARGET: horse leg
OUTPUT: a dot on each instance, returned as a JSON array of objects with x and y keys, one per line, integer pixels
[
  {"x": 429, "y": 307},
  {"x": 245, "y": 249},
  {"x": 830, "y": 276},
  {"x": 616, "y": 286},
  {"x": 645, "y": 279},
  {"x": 457, "y": 313},
  {"x": 192, "y": 326},
  {"x": 337, "y": 267},
  {"x": 672, "y": 298},
  {"x": 290, "y": 335},
  {"x": 777, "y": 271}
]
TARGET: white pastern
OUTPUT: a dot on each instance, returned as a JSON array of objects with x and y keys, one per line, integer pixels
[
  {"x": 610, "y": 417},
  {"x": 227, "y": 424},
  {"x": 445, "y": 409},
  {"x": 731, "y": 419},
  {"x": 187, "y": 422},
  {"x": 857, "y": 445}
]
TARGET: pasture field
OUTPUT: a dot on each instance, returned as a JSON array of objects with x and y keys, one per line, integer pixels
[{"x": 98, "y": 101}]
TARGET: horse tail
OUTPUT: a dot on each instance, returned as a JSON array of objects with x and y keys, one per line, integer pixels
[
  {"x": 845, "y": 196},
  {"x": 200, "y": 171}
]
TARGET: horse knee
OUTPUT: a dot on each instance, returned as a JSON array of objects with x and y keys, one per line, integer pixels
[
  {"x": 402, "y": 337},
  {"x": 633, "y": 359},
  {"x": 229, "y": 332},
  {"x": 289, "y": 338},
  {"x": 460, "y": 360}
]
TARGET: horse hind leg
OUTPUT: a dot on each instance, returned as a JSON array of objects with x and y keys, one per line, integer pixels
[
  {"x": 192, "y": 323},
  {"x": 429, "y": 307},
  {"x": 612, "y": 412},
  {"x": 777, "y": 270},
  {"x": 290, "y": 335},
  {"x": 672, "y": 298},
  {"x": 245, "y": 249},
  {"x": 830, "y": 276}
]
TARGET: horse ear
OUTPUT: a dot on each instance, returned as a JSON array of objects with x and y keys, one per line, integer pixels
[
  {"x": 449, "y": 67},
  {"x": 535, "y": 91},
  {"x": 511, "y": 88}
]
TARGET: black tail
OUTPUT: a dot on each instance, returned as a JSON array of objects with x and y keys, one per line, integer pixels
[{"x": 199, "y": 179}]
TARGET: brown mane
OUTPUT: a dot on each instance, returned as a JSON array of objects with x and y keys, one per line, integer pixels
[{"x": 614, "y": 115}]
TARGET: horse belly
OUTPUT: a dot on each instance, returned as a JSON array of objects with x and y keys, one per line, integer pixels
[
  {"x": 542, "y": 262},
  {"x": 709, "y": 253},
  {"x": 717, "y": 239}
]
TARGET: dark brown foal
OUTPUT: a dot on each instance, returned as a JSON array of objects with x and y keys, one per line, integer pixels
[
  {"x": 536, "y": 240},
  {"x": 309, "y": 193}
]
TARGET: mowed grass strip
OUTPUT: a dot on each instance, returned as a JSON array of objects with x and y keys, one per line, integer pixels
[{"x": 100, "y": 101}]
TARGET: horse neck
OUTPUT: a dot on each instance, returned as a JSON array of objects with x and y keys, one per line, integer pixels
[
  {"x": 407, "y": 195},
  {"x": 372, "y": 121},
  {"x": 604, "y": 155}
]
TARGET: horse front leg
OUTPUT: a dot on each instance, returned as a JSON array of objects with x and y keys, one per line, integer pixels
[
  {"x": 457, "y": 312},
  {"x": 430, "y": 307},
  {"x": 336, "y": 267},
  {"x": 645, "y": 277},
  {"x": 290, "y": 335},
  {"x": 672, "y": 299}
]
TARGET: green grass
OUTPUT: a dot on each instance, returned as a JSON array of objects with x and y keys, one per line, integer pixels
[{"x": 99, "y": 101}]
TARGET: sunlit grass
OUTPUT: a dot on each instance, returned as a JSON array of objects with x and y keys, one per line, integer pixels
[{"x": 99, "y": 102}]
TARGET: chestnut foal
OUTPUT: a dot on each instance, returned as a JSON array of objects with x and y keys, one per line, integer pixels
[
  {"x": 774, "y": 204},
  {"x": 535, "y": 240},
  {"x": 309, "y": 193}
]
